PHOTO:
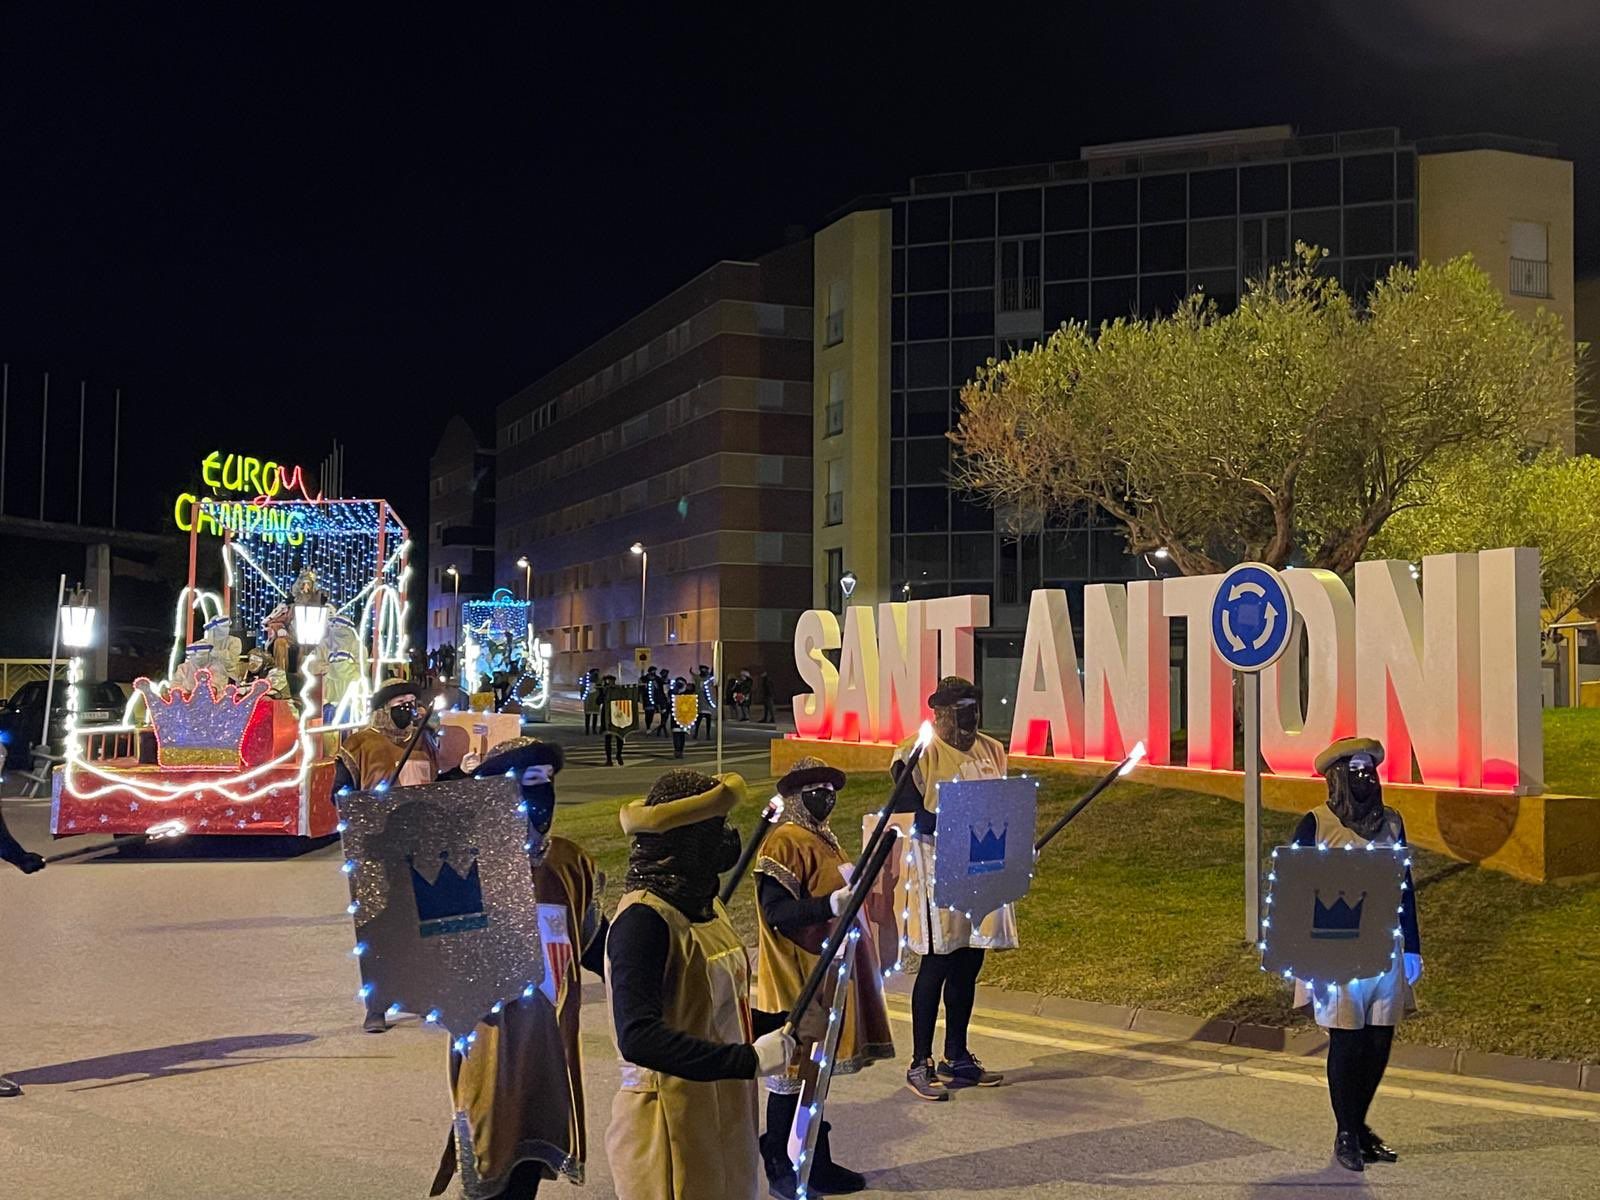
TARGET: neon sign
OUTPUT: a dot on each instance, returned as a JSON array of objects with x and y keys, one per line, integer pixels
[
  {"x": 242, "y": 484},
  {"x": 1446, "y": 672}
]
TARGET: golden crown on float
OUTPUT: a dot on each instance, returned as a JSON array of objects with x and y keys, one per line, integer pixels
[{"x": 204, "y": 727}]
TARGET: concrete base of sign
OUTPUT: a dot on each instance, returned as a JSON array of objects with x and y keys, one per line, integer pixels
[{"x": 1537, "y": 838}]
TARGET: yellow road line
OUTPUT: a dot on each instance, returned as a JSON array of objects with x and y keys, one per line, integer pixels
[{"x": 1304, "y": 1078}]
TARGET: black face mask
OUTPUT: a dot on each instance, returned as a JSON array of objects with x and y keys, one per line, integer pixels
[
  {"x": 401, "y": 715},
  {"x": 728, "y": 852},
  {"x": 541, "y": 801},
  {"x": 819, "y": 802}
]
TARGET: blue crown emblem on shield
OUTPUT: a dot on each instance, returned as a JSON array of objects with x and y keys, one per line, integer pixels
[
  {"x": 1339, "y": 920},
  {"x": 988, "y": 853},
  {"x": 452, "y": 903}
]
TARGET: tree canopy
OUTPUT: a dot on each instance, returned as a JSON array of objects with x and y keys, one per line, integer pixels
[
  {"x": 1289, "y": 430},
  {"x": 1495, "y": 499}
]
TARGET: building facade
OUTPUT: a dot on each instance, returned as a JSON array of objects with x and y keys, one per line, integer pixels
[
  {"x": 686, "y": 431},
  {"x": 460, "y": 529},
  {"x": 981, "y": 263}
]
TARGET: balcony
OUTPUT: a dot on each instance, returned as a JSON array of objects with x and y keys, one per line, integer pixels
[
  {"x": 1530, "y": 277},
  {"x": 834, "y": 416},
  {"x": 1019, "y": 295},
  {"x": 833, "y": 332},
  {"x": 835, "y": 509}
]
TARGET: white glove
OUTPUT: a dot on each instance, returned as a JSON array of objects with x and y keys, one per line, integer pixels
[
  {"x": 837, "y": 900},
  {"x": 773, "y": 1052}
]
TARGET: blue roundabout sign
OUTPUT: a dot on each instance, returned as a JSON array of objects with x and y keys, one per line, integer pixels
[{"x": 1252, "y": 617}]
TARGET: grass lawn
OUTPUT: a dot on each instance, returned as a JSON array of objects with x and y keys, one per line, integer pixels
[
  {"x": 1572, "y": 751},
  {"x": 1139, "y": 902}
]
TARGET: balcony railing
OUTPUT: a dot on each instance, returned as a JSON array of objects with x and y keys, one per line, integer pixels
[
  {"x": 835, "y": 418},
  {"x": 835, "y": 509},
  {"x": 835, "y": 329},
  {"x": 1530, "y": 277},
  {"x": 1019, "y": 295}
]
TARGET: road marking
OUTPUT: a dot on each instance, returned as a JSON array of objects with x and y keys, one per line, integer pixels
[{"x": 1306, "y": 1078}]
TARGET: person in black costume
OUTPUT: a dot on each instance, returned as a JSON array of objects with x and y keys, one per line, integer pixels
[
  {"x": 1360, "y": 1016},
  {"x": 27, "y": 862},
  {"x": 678, "y": 979}
]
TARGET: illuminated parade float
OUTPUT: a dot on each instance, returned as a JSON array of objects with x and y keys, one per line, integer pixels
[
  {"x": 501, "y": 659},
  {"x": 241, "y": 740}
]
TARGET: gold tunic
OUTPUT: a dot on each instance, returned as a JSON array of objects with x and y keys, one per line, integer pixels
[
  {"x": 518, "y": 1094},
  {"x": 675, "y": 1139},
  {"x": 371, "y": 756},
  {"x": 941, "y": 763},
  {"x": 806, "y": 862}
]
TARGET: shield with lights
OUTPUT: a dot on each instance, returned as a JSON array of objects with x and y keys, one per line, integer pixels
[
  {"x": 446, "y": 920},
  {"x": 983, "y": 854},
  {"x": 1333, "y": 914}
]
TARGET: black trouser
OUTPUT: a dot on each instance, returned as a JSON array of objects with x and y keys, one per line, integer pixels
[
  {"x": 707, "y": 719},
  {"x": 588, "y": 722},
  {"x": 678, "y": 737},
  {"x": 617, "y": 738},
  {"x": 780, "y": 1117},
  {"x": 523, "y": 1182},
  {"x": 649, "y": 718},
  {"x": 955, "y": 977},
  {"x": 1357, "y": 1059},
  {"x": 766, "y": 713}
]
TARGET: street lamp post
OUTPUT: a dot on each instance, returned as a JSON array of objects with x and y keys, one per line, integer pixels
[
  {"x": 847, "y": 585},
  {"x": 455, "y": 616},
  {"x": 77, "y": 634},
  {"x": 527, "y": 578},
  {"x": 644, "y": 575}
]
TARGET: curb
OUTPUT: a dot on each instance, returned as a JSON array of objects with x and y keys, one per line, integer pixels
[{"x": 1296, "y": 1041}]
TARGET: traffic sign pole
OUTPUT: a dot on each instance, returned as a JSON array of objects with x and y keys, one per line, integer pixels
[
  {"x": 1252, "y": 624},
  {"x": 1250, "y": 681}
]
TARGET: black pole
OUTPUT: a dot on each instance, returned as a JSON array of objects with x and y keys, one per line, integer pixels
[
  {"x": 859, "y": 886},
  {"x": 906, "y": 783},
  {"x": 769, "y": 818},
  {"x": 422, "y": 726},
  {"x": 1116, "y": 772}
]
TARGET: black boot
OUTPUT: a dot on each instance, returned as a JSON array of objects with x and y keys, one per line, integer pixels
[
  {"x": 1347, "y": 1150},
  {"x": 781, "y": 1179},
  {"x": 828, "y": 1178},
  {"x": 9, "y": 1088}
]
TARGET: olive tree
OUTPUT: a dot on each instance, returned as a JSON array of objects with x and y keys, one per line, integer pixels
[{"x": 1289, "y": 430}]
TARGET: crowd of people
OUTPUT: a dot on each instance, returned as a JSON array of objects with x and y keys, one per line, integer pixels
[{"x": 696, "y": 1037}]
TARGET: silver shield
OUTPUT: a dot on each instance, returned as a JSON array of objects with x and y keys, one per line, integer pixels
[
  {"x": 983, "y": 852},
  {"x": 447, "y": 925},
  {"x": 1333, "y": 914}
]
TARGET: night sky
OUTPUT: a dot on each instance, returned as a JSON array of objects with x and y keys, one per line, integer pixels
[{"x": 276, "y": 228}]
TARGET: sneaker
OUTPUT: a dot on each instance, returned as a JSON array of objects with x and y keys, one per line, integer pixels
[
  {"x": 924, "y": 1084},
  {"x": 967, "y": 1071},
  {"x": 9, "y": 1088}
]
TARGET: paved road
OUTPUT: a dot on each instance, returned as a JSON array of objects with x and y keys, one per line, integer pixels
[{"x": 188, "y": 1029}]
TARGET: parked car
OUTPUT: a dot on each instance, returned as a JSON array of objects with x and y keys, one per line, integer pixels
[{"x": 23, "y": 714}]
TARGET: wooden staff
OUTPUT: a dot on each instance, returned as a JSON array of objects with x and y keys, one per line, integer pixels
[{"x": 1116, "y": 773}]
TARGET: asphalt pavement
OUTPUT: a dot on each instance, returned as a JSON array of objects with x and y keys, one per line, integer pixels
[{"x": 187, "y": 1027}]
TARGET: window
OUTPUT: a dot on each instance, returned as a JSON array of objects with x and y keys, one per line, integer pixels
[
  {"x": 1019, "y": 275},
  {"x": 838, "y": 389},
  {"x": 974, "y": 216},
  {"x": 835, "y": 329},
  {"x": 835, "y": 496},
  {"x": 1163, "y": 198},
  {"x": 928, "y": 269},
  {"x": 833, "y": 572},
  {"x": 1530, "y": 258}
]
